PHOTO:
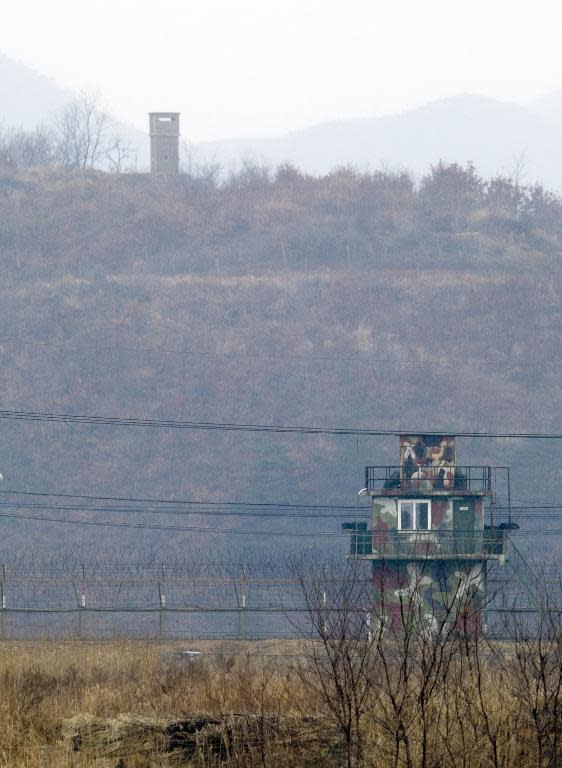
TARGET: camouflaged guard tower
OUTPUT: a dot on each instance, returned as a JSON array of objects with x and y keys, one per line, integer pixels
[
  {"x": 164, "y": 142},
  {"x": 429, "y": 547}
]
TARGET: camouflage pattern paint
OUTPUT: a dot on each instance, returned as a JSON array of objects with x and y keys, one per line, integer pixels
[
  {"x": 433, "y": 595},
  {"x": 425, "y": 574},
  {"x": 440, "y": 538},
  {"x": 427, "y": 462},
  {"x": 428, "y": 450}
]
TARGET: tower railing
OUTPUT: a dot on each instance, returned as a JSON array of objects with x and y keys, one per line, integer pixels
[
  {"x": 389, "y": 479},
  {"x": 392, "y": 544}
]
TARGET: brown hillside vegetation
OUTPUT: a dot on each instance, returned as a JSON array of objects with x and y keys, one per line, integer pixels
[
  {"x": 127, "y": 705},
  {"x": 271, "y": 297}
]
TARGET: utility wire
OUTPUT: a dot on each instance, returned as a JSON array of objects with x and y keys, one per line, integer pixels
[
  {"x": 224, "y": 508},
  {"x": 529, "y": 536},
  {"x": 215, "y": 511},
  {"x": 358, "y": 358},
  {"x": 162, "y": 527},
  {"x": 207, "y": 503},
  {"x": 203, "y": 511},
  {"x": 120, "y": 421}
]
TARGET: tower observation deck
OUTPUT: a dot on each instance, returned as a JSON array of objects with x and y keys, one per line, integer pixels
[{"x": 428, "y": 532}]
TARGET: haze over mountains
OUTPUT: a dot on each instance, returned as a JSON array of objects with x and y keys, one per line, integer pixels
[
  {"x": 354, "y": 299},
  {"x": 27, "y": 97},
  {"x": 499, "y": 137}
]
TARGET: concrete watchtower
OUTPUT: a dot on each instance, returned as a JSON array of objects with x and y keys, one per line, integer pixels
[
  {"x": 429, "y": 545},
  {"x": 164, "y": 142}
]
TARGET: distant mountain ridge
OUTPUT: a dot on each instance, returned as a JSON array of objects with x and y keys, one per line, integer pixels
[
  {"x": 27, "y": 97},
  {"x": 497, "y": 136},
  {"x": 549, "y": 106}
]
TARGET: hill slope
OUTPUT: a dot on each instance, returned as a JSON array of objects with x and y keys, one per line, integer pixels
[{"x": 353, "y": 300}]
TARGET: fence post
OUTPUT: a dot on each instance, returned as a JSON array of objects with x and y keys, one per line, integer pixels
[
  {"x": 368, "y": 621},
  {"x": 243, "y": 597},
  {"x": 162, "y": 602},
  {"x": 324, "y": 596},
  {"x": 81, "y": 615},
  {"x": 80, "y": 594},
  {"x": 3, "y": 602}
]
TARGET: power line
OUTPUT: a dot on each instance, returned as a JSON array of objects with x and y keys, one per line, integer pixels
[
  {"x": 203, "y": 511},
  {"x": 516, "y": 507},
  {"x": 529, "y": 536},
  {"x": 119, "y": 421},
  {"x": 217, "y": 511},
  {"x": 229, "y": 507},
  {"x": 357, "y": 358},
  {"x": 209, "y": 506},
  {"x": 162, "y": 527},
  {"x": 143, "y": 500}
]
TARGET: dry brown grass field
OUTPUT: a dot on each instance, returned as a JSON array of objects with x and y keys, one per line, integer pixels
[{"x": 129, "y": 704}]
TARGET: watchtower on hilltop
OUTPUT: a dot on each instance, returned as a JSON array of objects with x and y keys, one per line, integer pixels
[
  {"x": 164, "y": 142},
  {"x": 429, "y": 546}
]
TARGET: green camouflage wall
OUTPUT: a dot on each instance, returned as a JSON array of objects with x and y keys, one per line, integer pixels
[
  {"x": 431, "y": 591},
  {"x": 421, "y": 575},
  {"x": 387, "y": 540},
  {"x": 432, "y": 595}
]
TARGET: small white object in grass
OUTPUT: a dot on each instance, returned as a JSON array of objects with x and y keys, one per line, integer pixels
[{"x": 190, "y": 653}]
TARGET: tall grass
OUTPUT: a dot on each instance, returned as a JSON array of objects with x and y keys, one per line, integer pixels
[{"x": 109, "y": 705}]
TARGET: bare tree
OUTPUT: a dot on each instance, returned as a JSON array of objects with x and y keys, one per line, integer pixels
[
  {"x": 339, "y": 648},
  {"x": 415, "y": 654},
  {"x": 21, "y": 149},
  {"x": 119, "y": 154},
  {"x": 414, "y": 671},
  {"x": 86, "y": 138},
  {"x": 535, "y": 671}
]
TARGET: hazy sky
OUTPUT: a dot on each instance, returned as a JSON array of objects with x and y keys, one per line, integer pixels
[{"x": 254, "y": 67}]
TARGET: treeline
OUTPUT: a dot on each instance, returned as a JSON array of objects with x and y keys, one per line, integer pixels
[
  {"x": 82, "y": 135},
  {"x": 261, "y": 219},
  {"x": 417, "y": 684}
]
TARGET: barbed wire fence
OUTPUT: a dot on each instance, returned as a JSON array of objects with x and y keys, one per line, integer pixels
[{"x": 200, "y": 596}]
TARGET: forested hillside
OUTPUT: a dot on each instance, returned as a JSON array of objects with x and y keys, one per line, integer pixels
[{"x": 270, "y": 297}]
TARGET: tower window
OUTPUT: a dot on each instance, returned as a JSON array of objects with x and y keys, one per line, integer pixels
[{"x": 414, "y": 515}]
